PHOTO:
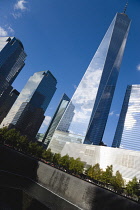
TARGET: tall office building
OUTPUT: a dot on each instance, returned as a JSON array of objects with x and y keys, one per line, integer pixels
[
  {"x": 11, "y": 96},
  {"x": 56, "y": 118},
  {"x": 92, "y": 98},
  {"x": 127, "y": 135},
  {"x": 27, "y": 113},
  {"x": 12, "y": 57}
]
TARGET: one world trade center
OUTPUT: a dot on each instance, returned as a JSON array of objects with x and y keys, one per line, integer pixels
[{"x": 85, "y": 118}]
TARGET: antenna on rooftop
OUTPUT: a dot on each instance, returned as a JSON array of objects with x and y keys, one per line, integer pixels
[{"x": 125, "y": 8}]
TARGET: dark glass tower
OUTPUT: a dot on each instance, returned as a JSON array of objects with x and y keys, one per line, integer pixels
[
  {"x": 11, "y": 96},
  {"x": 12, "y": 57},
  {"x": 93, "y": 96},
  {"x": 127, "y": 135},
  {"x": 27, "y": 113},
  {"x": 121, "y": 24},
  {"x": 56, "y": 118}
]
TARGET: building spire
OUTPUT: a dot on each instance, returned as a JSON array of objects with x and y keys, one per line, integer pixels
[{"x": 125, "y": 8}]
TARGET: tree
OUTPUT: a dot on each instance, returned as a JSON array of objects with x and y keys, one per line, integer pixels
[
  {"x": 47, "y": 155},
  {"x": 107, "y": 175},
  {"x": 89, "y": 171},
  {"x": 39, "y": 151},
  {"x": 64, "y": 161},
  {"x": 76, "y": 166},
  {"x": 23, "y": 144},
  {"x": 132, "y": 187},
  {"x": 117, "y": 182},
  {"x": 3, "y": 131},
  {"x": 33, "y": 147},
  {"x": 96, "y": 172},
  {"x": 56, "y": 158},
  {"x": 71, "y": 164},
  {"x": 11, "y": 137},
  {"x": 79, "y": 166}
]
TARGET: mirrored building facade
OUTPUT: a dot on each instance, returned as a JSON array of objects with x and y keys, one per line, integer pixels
[
  {"x": 12, "y": 57},
  {"x": 127, "y": 134},
  {"x": 27, "y": 113},
  {"x": 10, "y": 98},
  {"x": 55, "y": 119},
  {"x": 92, "y": 99}
]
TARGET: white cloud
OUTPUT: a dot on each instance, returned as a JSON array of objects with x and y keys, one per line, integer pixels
[
  {"x": 20, "y": 5},
  {"x": 111, "y": 113},
  {"x": 17, "y": 15},
  {"x": 11, "y": 30},
  {"x": 3, "y": 32},
  {"x": 138, "y": 67}
]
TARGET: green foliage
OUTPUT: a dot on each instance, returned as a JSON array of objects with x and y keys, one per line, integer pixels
[
  {"x": 94, "y": 172},
  {"x": 23, "y": 144},
  {"x": 56, "y": 158},
  {"x": 47, "y": 155},
  {"x": 64, "y": 161},
  {"x": 107, "y": 175},
  {"x": 117, "y": 182},
  {"x": 132, "y": 187},
  {"x": 2, "y": 133},
  {"x": 76, "y": 166},
  {"x": 12, "y": 137}
]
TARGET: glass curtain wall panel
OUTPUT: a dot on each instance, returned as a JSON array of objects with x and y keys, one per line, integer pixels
[{"x": 127, "y": 134}]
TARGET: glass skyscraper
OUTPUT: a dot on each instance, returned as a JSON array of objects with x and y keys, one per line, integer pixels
[
  {"x": 56, "y": 118},
  {"x": 127, "y": 135},
  {"x": 27, "y": 113},
  {"x": 12, "y": 57},
  {"x": 10, "y": 97},
  {"x": 92, "y": 98},
  {"x": 120, "y": 26}
]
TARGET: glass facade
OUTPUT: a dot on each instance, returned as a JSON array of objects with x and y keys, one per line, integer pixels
[
  {"x": 127, "y": 134},
  {"x": 92, "y": 99},
  {"x": 27, "y": 113},
  {"x": 11, "y": 96},
  {"x": 108, "y": 81},
  {"x": 12, "y": 57},
  {"x": 56, "y": 118}
]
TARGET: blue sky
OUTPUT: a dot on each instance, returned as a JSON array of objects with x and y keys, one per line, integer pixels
[{"x": 62, "y": 36}]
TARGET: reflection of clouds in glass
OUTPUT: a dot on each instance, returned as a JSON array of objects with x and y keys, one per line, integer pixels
[
  {"x": 46, "y": 122},
  {"x": 85, "y": 94},
  {"x": 2, "y": 42},
  {"x": 111, "y": 113},
  {"x": 87, "y": 89},
  {"x": 25, "y": 95},
  {"x": 30, "y": 87},
  {"x": 81, "y": 116},
  {"x": 133, "y": 112}
]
